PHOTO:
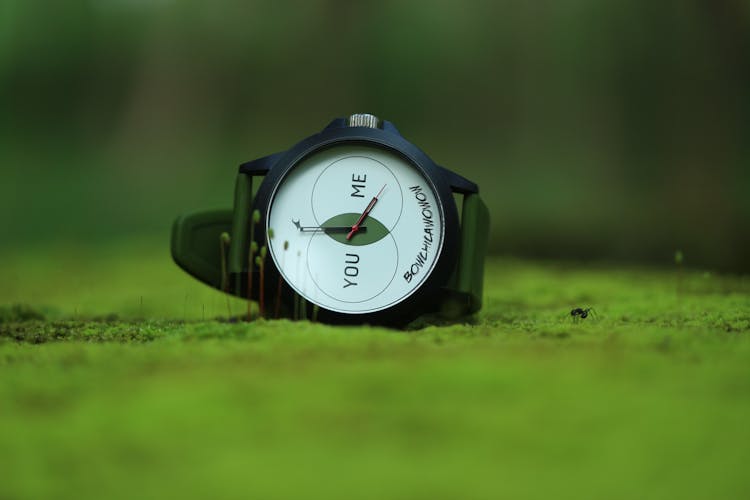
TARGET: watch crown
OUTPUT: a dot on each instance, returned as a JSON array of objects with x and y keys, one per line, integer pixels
[{"x": 364, "y": 120}]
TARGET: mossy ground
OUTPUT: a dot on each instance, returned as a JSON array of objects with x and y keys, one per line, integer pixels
[{"x": 116, "y": 382}]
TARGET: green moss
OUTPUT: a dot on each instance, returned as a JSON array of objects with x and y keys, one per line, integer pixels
[
  {"x": 19, "y": 312},
  {"x": 651, "y": 396}
]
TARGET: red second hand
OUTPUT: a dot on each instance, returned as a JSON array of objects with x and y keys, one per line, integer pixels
[{"x": 367, "y": 211}]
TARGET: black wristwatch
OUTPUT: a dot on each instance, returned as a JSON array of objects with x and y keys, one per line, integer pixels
[{"x": 354, "y": 224}]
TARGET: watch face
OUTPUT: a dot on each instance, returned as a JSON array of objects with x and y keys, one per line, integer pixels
[{"x": 356, "y": 229}]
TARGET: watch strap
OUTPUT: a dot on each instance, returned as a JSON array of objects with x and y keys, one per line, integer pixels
[
  {"x": 465, "y": 290},
  {"x": 197, "y": 246},
  {"x": 240, "y": 243}
]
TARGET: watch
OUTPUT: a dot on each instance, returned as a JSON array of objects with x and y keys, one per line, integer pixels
[{"x": 354, "y": 224}]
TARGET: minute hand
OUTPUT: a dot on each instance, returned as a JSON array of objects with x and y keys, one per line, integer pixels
[
  {"x": 325, "y": 229},
  {"x": 364, "y": 215},
  {"x": 329, "y": 230}
]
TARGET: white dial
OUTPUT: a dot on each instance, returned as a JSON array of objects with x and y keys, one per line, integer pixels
[{"x": 357, "y": 229}]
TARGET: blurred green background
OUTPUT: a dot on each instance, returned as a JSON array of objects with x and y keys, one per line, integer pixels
[{"x": 597, "y": 130}]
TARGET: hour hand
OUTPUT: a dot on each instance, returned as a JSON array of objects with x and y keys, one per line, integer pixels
[{"x": 324, "y": 229}]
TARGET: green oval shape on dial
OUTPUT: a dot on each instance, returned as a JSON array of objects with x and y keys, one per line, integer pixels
[{"x": 375, "y": 230}]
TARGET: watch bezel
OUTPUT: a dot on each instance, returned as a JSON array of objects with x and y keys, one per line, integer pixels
[{"x": 425, "y": 298}]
